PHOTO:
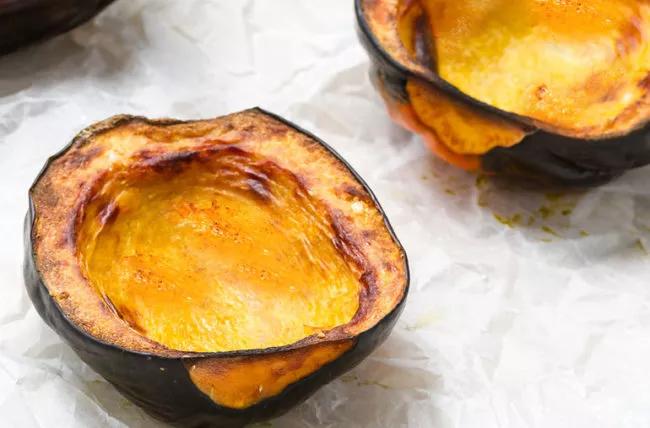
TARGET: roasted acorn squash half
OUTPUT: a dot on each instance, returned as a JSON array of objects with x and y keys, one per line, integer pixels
[
  {"x": 216, "y": 272},
  {"x": 23, "y": 22},
  {"x": 556, "y": 91}
]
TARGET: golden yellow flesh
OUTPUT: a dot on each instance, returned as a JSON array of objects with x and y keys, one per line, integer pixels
[
  {"x": 239, "y": 383},
  {"x": 462, "y": 129},
  {"x": 574, "y": 64},
  {"x": 224, "y": 259}
]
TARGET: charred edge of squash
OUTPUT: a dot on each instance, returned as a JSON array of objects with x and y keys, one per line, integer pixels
[
  {"x": 343, "y": 242},
  {"x": 147, "y": 162},
  {"x": 406, "y": 68},
  {"x": 124, "y": 371}
]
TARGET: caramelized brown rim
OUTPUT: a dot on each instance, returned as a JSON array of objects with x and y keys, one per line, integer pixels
[{"x": 148, "y": 347}]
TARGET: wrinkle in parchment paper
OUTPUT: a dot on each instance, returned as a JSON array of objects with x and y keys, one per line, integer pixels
[{"x": 527, "y": 309}]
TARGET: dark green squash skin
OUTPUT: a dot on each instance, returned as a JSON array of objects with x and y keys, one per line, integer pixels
[
  {"x": 544, "y": 157},
  {"x": 23, "y": 22},
  {"x": 161, "y": 385},
  {"x": 541, "y": 157}
]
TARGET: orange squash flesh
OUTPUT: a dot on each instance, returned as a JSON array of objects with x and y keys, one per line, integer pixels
[
  {"x": 460, "y": 128},
  {"x": 231, "y": 257},
  {"x": 238, "y": 382},
  {"x": 403, "y": 114},
  {"x": 410, "y": 12},
  {"x": 579, "y": 66},
  {"x": 152, "y": 215},
  {"x": 449, "y": 126},
  {"x": 557, "y": 92},
  {"x": 217, "y": 272}
]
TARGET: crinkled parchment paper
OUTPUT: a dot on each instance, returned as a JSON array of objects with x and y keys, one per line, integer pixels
[{"x": 527, "y": 309}]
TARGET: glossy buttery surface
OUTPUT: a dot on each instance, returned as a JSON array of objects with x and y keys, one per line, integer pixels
[
  {"x": 577, "y": 65},
  {"x": 227, "y": 257}
]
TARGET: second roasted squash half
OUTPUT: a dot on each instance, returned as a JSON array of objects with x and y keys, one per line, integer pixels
[
  {"x": 23, "y": 22},
  {"x": 216, "y": 272},
  {"x": 556, "y": 91}
]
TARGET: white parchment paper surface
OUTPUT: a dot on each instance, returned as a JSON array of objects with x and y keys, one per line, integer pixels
[{"x": 527, "y": 309}]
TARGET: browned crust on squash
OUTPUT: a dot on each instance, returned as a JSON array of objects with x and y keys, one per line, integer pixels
[{"x": 66, "y": 185}]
